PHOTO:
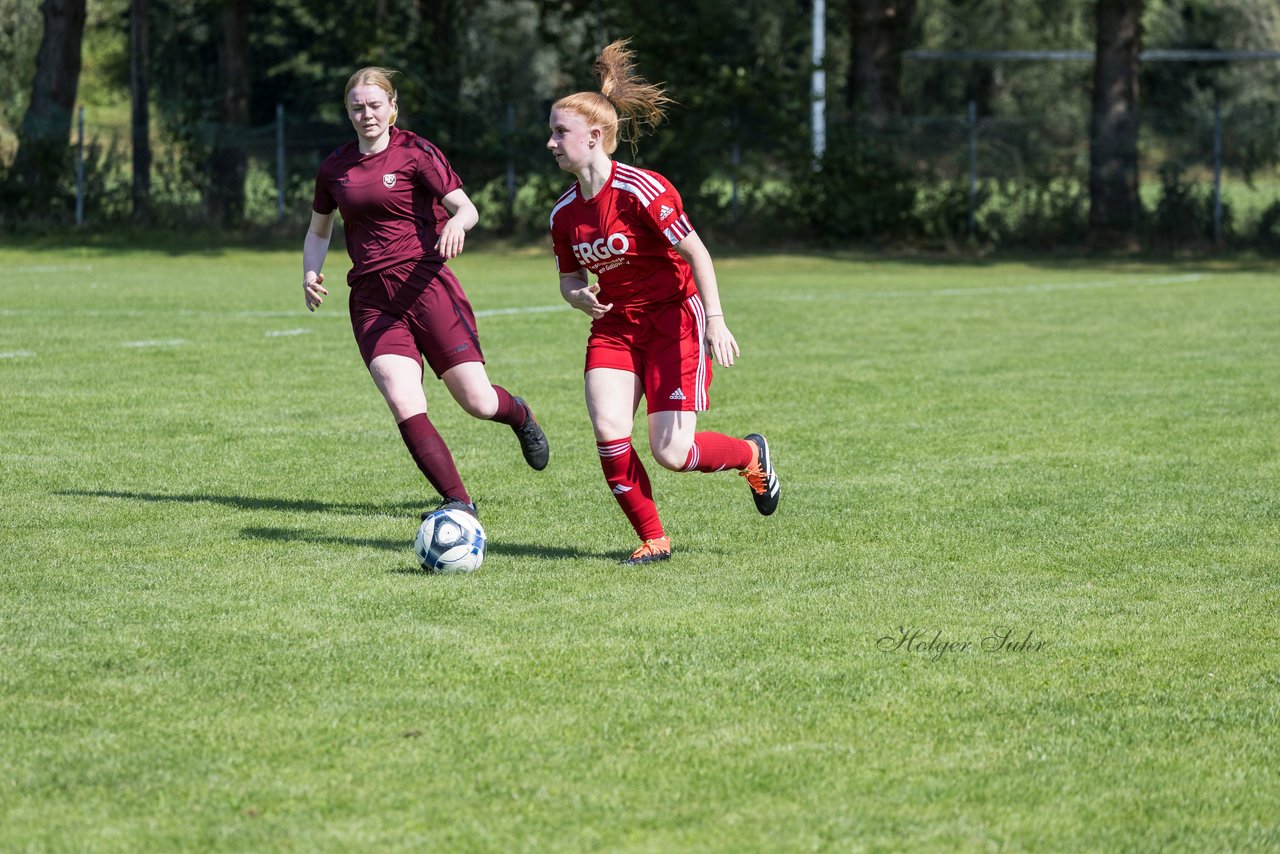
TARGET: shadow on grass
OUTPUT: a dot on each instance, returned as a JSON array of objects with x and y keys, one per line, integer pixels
[
  {"x": 244, "y": 502},
  {"x": 504, "y": 548}
]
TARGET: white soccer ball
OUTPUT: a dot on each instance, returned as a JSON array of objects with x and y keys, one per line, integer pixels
[{"x": 450, "y": 541}]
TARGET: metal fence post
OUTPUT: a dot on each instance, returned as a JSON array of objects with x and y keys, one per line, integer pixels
[
  {"x": 80, "y": 168},
  {"x": 1217, "y": 170},
  {"x": 735, "y": 159},
  {"x": 511, "y": 163},
  {"x": 973, "y": 167},
  {"x": 280, "y": 163}
]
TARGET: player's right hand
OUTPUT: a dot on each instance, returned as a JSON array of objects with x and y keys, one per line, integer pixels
[
  {"x": 584, "y": 299},
  {"x": 312, "y": 290}
]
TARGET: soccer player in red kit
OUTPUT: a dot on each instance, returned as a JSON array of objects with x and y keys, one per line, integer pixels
[
  {"x": 655, "y": 305},
  {"x": 405, "y": 214}
]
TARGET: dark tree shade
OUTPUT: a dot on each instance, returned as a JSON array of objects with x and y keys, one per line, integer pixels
[
  {"x": 43, "y": 155},
  {"x": 140, "y": 117},
  {"x": 880, "y": 30},
  {"x": 1113, "y": 146},
  {"x": 229, "y": 163}
]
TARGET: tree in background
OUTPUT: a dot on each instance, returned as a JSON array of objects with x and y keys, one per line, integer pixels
[
  {"x": 1114, "y": 206},
  {"x": 881, "y": 29},
  {"x": 228, "y": 163},
  {"x": 140, "y": 115},
  {"x": 43, "y": 156}
]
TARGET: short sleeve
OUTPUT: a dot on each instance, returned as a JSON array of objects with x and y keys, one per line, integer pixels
[
  {"x": 663, "y": 207},
  {"x": 322, "y": 201},
  {"x": 566, "y": 261},
  {"x": 434, "y": 172}
]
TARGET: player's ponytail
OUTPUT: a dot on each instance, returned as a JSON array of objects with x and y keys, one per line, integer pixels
[{"x": 626, "y": 106}]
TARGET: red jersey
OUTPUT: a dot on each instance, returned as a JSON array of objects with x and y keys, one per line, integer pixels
[
  {"x": 626, "y": 236},
  {"x": 390, "y": 201}
]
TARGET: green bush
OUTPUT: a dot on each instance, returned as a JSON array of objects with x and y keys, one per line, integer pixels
[
  {"x": 1183, "y": 213},
  {"x": 859, "y": 192}
]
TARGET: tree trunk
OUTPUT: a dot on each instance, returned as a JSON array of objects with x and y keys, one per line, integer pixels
[
  {"x": 140, "y": 117},
  {"x": 880, "y": 30},
  {"x": 44, "y": 139},
  {"x": 229, "y": 161},
  {"x": 1114, "y": 207}
]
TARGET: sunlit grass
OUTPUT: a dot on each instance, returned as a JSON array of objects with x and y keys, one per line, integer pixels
[{"x": 214, "y": 635}]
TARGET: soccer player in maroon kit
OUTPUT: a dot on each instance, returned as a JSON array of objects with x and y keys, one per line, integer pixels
[
  {"x": 655, "y": 305},
  {"x": 405, "y": 214}
]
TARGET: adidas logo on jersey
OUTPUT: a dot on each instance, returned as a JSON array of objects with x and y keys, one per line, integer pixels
[
  {"x": 677, "y": 395},
  {"x": 665, "y": 212}
]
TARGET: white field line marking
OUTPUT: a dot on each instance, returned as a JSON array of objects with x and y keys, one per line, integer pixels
[
  {"x": 530, "y": 309},
  {"x": 1012, "y": 289},
  {"x": 17, "y": 354},
  {"x": 169, "y": 342},
  {"x": 52, "y": 268},
  {"x": 124, "y": 312},
  {"x": 285, "y": 332},
  {"x": 75, "y": 312}
]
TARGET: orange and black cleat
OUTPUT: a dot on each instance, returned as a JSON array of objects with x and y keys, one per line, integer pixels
[
  {"x": 649, "y": 551},
  {"x": 765, "y": 488}
]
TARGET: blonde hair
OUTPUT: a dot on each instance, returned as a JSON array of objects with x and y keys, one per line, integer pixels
[
  {"x": 374, "y": 76},
  {"x": 626, "y": 105}
]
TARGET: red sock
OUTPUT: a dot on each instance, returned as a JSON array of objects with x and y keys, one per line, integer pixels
[
  {"x": 509, "y": 412},
  {"x": 629, "y": 482},
  {"x": 717, "y": 452},
  {"x": 432, "y": 456}
]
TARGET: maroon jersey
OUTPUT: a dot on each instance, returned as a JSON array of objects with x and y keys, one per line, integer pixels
[
  {"x": 626, "y": 236},
  {"x": 390, "y": 201}
]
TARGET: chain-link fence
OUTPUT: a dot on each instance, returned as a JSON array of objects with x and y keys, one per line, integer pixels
[{"x": 1005, "y": 179}]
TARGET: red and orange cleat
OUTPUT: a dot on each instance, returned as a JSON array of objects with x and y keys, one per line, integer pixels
[{"x": 649, "y": 551}]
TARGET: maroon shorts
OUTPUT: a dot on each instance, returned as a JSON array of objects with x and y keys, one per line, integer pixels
[
  {"x": 664, "y": 345},
  {"x": 416, "y": 309}
]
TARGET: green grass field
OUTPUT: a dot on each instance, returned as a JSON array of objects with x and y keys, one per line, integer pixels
[{"x": 213, "y": 635}]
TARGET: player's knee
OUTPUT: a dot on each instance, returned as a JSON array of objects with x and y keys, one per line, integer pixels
[
  {"x": 476, "y": 402},
  {"x": 670, "y": 455},
  {"x": 477, "y": 405}
]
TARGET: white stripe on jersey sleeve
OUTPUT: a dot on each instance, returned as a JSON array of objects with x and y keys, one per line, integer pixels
[
  {"x": 641, "y": 177},
  {"x": 639, "y": 192},
  {"x": 564, "y": 200},
  {"x": 678, "y": 230}
]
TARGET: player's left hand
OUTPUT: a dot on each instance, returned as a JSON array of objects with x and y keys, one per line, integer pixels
[
  {"x": 452, "y": 238},
  {"x": 721, "y": 342}
]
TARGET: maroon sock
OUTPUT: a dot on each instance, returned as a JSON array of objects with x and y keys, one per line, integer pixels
[
  {"x": 629, "y": 483},
  {"x": 432, "y": 456},
  {"x": 717, "y": 452},
  {"x": 509, "y": 412}
]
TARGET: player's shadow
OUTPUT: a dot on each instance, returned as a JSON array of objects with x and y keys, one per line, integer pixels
[
  {"x": 244, "y": 502},
  {"x": 504, "y": 548}
]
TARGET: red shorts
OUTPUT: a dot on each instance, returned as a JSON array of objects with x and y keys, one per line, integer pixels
[
  {"x": 416, "y": 309},
  {"x": 664, "y": 345}
]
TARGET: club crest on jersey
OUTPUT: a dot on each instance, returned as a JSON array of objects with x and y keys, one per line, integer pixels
[
  {"x": 602, "y": 249},
  {"x": 389, "y": 180}
]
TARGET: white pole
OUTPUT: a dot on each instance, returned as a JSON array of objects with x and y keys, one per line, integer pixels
[{"x": 819, "y": 82}]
